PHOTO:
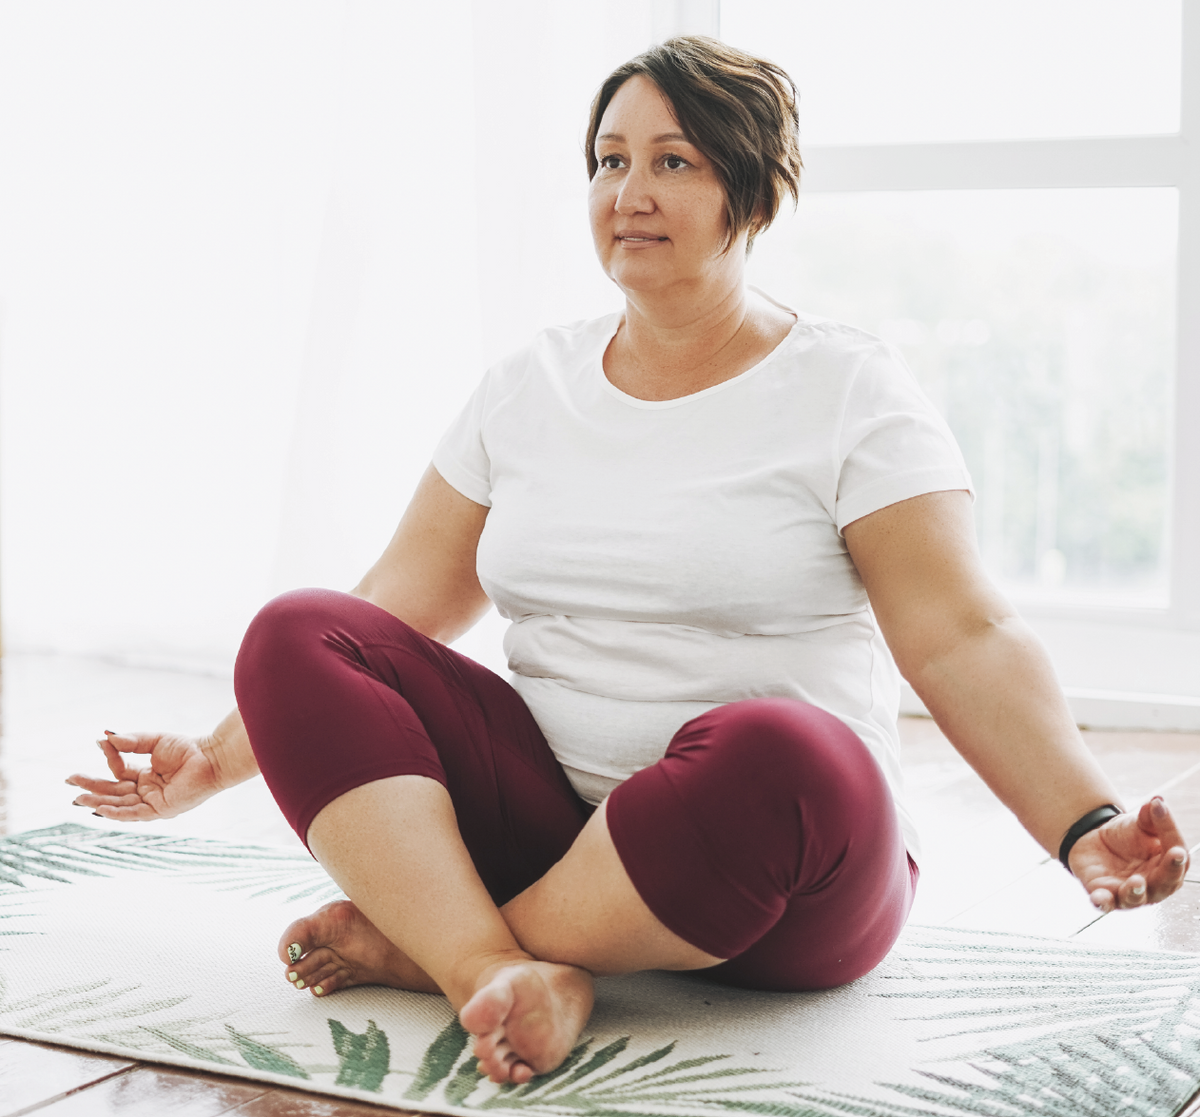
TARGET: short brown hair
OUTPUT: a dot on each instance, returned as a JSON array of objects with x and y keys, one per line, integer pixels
[{"x": 739, "y": 110}]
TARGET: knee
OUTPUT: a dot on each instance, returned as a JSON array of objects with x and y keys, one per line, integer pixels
[
  {"x": 784, "y": 746},
  {"x": 285, "y": 627}
]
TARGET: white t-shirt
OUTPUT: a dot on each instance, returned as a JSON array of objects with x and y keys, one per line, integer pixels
[{"x": 660, "y": 558}]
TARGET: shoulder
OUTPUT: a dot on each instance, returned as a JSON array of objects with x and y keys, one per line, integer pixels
[
  {"x": 837, "y": 346},
  {"x": 557, "y": 348},
  {"x": 551, "y": 358},
  {"x": 837, "y": 360},
  {"x": 848, "y": 346}
]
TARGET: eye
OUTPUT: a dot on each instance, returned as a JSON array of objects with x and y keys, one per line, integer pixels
[
  {"x": 611, "y": 162},
  {"x": 674, "y": 162}
]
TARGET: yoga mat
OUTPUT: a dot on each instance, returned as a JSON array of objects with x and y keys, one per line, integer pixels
[{"x": 163, "y": 948}]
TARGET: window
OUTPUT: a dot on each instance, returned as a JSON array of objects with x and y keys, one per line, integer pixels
[{"x": 1005, "y": 191}]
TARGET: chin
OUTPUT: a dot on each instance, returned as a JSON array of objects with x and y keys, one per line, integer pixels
[{"x": 642, "y": 280}]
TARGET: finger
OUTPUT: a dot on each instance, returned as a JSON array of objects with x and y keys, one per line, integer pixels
[
  {"x": 1132, "y": 893},
  {"x": 116, "y": 762},
  {"x": 95, "y": 801},
  {"x": 1103, "y": 899},
  {"x": 101, "y": 787},
  {"x": 131, "y": 742},
  {"x": 1161, "y": 823},
  {"x": 141, "y": 813},
  {"x": 1167, "y": 875}
]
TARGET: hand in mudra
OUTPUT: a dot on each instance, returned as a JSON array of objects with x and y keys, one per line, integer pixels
[
  {"x": 179, "y": 777},
  {"x": 1133, "y": 859}
]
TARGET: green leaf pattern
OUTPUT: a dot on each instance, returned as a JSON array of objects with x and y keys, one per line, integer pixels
[
  {"x": 1045, "y": 1028},
  {"x": 58, "y": 853},
  {"x": 364, "y": 1057},
  {"x": 263, "y": 1056}
]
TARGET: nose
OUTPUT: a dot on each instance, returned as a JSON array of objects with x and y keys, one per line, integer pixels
[{"x": 635, "y": 195}]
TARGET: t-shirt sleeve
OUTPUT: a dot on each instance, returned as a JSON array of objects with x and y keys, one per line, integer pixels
[
  {"x": 460, "y": 457},
  {"x": 894, "y": 445}
]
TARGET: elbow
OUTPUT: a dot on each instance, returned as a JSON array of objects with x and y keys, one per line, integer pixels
[{"x": 928, "y": 653}]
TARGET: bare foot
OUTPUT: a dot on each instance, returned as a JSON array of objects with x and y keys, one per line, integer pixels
[
  {"x": 526, "y": 1017},
  {"x": 340, "y": 947}
]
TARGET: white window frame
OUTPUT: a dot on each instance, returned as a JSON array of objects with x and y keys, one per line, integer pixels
[
  {"x": 1120, "y": 161},
  {"x": 1165, "y": 160}
]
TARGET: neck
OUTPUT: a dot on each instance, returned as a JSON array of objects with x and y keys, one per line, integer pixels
[
  {"x": 681, "y": 332},
  {"x": 665, "y": 349}
]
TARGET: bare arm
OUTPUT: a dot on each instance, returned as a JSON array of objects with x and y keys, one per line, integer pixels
[
  {"x": 426, "y": 577},
  {"x": 985, "y": 677}
]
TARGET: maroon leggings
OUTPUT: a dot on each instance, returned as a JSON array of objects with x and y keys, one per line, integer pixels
[{"x": 765, "y": 835}]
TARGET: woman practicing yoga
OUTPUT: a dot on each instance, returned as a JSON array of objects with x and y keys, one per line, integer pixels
[{"x": 703, "y": 517}]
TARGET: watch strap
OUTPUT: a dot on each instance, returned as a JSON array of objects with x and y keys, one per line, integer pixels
[{"x": 1090, "y": 821}]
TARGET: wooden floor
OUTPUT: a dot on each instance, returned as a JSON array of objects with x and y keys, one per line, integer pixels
[{"x": 979, "y": 869}]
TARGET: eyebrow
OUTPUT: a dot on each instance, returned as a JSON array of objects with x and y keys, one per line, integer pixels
[{"x": 666, "y": 137}]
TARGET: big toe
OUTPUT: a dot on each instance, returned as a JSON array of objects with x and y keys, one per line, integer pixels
[
  {"x": 296, "y": 941},
  {"x": 327, "y": 926},
  {"x": 487, "y": 1010}
]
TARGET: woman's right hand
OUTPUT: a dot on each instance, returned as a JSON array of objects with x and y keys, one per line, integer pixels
[{"x": 179, "y": 777}]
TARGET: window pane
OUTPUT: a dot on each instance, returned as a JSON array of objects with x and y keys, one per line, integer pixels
[
  {"x": 875, "y": 71},
  {"x": 1041, "y": 322}
]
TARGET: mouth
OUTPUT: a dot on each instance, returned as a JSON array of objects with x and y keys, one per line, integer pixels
[{"x": 639, "y": 238}]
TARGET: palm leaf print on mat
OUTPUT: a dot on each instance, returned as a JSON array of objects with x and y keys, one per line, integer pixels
[
  {"x": 363, "y": 1057},
  {"x": 1133, "y": 1045},
  {"x": 264, "y": 1056},
  {"x": 1084, "y": 1076},
  {"x": 12, "y": 910},
  {"x": 985, "y": 984},
  {"x": 108, "y": 938},
  {"x": 578, "y": 1085},
  {"x": 109, "y": 1013},
  {"x": 59, "y": 852}
]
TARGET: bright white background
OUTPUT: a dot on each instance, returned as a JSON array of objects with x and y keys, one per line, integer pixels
[{"x": 254, "y": 255}]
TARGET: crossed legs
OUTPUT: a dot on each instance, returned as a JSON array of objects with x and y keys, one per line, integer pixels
[
  {"x": 393, "y": 846},
  {"x": 475, "y": 871}
]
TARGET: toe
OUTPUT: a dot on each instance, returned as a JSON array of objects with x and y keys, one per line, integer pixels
[
  {"x": 520, "y": 1072},
  {"x": 485, "y": 1048},
  {"x": 498, "y": 1063},
  {"x": 330, "y": 977},
  {"x": 487, "y": 1009},
  {"x": 313, "y": 961},
  {"x": 292, "y": 943}
]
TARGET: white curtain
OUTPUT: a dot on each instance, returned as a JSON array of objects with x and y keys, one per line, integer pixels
[{"x": 253, "y": 257}]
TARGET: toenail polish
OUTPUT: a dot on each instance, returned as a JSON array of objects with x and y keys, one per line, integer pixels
[
  {"x": 319, "y": 991},
  {"x": 300, "y": 984},
  {"x": 291, "y": 975},
  {"x": 294, "y": 952}
]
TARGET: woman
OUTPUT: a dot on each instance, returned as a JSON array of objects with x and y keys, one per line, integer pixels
[{"x": 684, "y": 509}]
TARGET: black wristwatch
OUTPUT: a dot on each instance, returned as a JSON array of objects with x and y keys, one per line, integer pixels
[{"x": 1090, "y": 821}]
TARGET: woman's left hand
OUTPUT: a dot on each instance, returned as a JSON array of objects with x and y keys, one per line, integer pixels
[{"x": 1133, "y": 859}]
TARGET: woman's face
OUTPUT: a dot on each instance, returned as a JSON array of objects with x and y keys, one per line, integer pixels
[{"x": 657, "y": 208}]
